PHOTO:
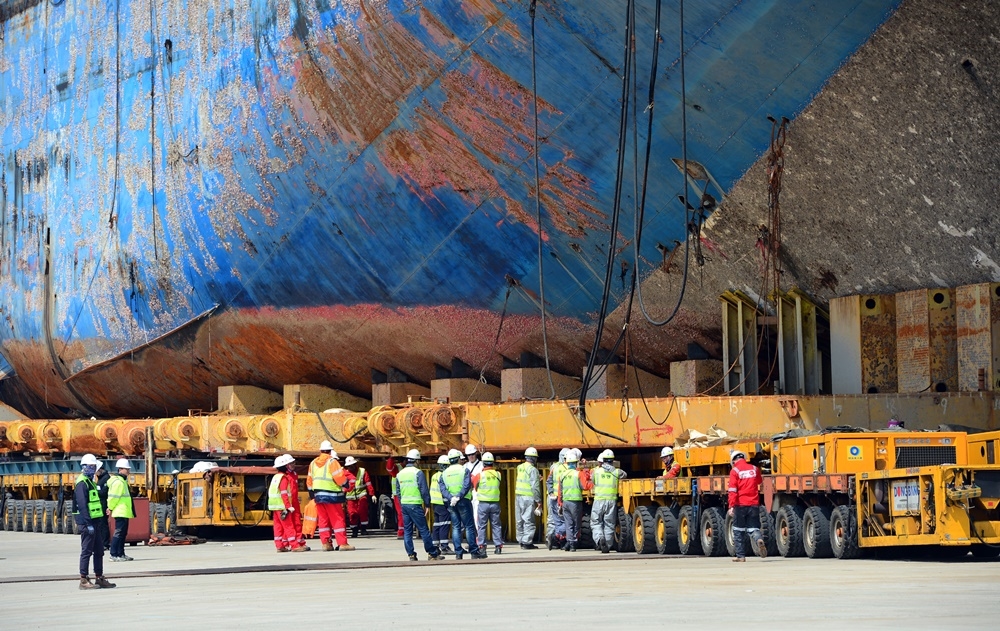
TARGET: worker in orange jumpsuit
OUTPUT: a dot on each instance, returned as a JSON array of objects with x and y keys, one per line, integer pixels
[
  {"x": 392, "y": 469},
  {"x": 358, "y": 497},
  {"x": 283, "y": 502},
  {"x": 328, "y": 484},
  {"x": 671, "y": 469}
]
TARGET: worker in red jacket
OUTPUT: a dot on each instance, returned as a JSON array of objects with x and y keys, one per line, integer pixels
[
  {"x": 744, "y": 504},
  {"x": 358, "y": 497},
  {"x": 283, "y": 502}
]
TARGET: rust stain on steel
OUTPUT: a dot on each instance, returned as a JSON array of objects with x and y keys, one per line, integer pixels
[
  {"x": 878, "y": 344},
  {"x": 978, "y": 333}
]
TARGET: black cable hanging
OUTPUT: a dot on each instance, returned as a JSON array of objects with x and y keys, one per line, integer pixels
[{"x": 616, "y": 212}]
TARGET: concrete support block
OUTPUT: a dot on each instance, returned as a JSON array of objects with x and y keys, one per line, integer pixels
[
  {"x": 248, "y": 400},
  {"x": 464, "y": 390},
  {"x": 394, "y": 393},
  {"x": 696, "y": 376},
  {"x": 926, "y": 354},
  {"x": 319, "y": 398},
  {"x": 611, "y": 380},
  {"x": 532, "y": 383}
]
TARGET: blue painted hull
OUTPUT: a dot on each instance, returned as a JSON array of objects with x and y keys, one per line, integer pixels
[{"x": 339, "y": 186}]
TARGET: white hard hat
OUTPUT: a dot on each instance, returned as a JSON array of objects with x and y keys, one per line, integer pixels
[
  {"x": 326, "y": 446},
  {"x": 333, "y": 454},
  {"x": 454, "y": 454},
  {"x": 572, "y": 457},
  {"x": 89, "y": 459},
  {"x": 100, "y": 464},
  {"x": 579, "y": 454},
  {"x": 442, "y": 459},
  {"x": 487, "y": 458},
  {"x": 562, "y": 454},
  {"x": 530, "y": 452},
  {"x": 666, "y": 451},
  {"x": 606, "y": 455},
  {"x": 122, "y": 464},
  {"x": 413, "y": 454},
  {"x": 350, "y": 460},
  {"x": 282, "y": 460},
  {"x": 471, "y": 449},
  {"x": 736, "y": 453}
]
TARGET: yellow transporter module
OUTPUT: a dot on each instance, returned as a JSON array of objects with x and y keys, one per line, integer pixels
[{"x": 984, "y": 448}]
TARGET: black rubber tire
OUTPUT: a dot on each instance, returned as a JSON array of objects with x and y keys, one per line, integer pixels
[
  {"x": 643, "y": 531},
  {"x": 688, "y": 539},
  {"x": 712, "y": 531},
  {"x": 68, "y": 523},
  {"x": 9, "y": 513},
  {"x": 152, "y": 517},
  {"x": 48, "y": 517},
  {"x": 161, "y": 519},
  {"x": 730, "y": 539},
  {"x": 19, "y": 516},
  {"x": 623, "y": 532},
  {"x": 982, "y": 551},
  {"x": 387, "y": 514},
  {"x": 170, "y": 525},
  {"x": 57, "y": 518},
  {"x": 788, "y": 529},
  {"x": 39, "y": 516},
  {"x": 586, "y": 541},
  {"x": 767, "y": 533},
  {"x": 816, "y": 532},
  {"x": 665, "y": 530},
  {"x": 29, "y": 516},
  {"x": 844, "y": 533},
  {"x": 3, "y": 515}
]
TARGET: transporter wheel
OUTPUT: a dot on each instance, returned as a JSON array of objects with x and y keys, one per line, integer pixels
[
  {"x": 48, "y": 517},
  {"x": 586, "y": 534},
  {"x": 19, "y": 516},
  {"x": 665, "y": 530},
  {"x": 688, "y": 541},
  {"x": 39, "y": 516},
  {"x": 623, "y": 532},
  {"x": 767, "y": 532},
  {"x": 67, "y": 517},
  {"x": 982, "y": 551},
  {"x": 28, "y": 521},
  {"x": 161, "y": 519},
  {"x": 816, "y": 532},
  {"x": 730, "y": 534},
  {"x": 169, "y": 519},
  {"x": 844, "y": 533},
  {"x": 788, "y": 529},
  {"x": 9, "y": 513},
  {"x": 643, "y": 531},
  {"x": 713, "y": 532}
]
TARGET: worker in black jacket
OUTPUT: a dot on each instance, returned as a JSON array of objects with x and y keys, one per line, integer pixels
[
  {"x": 102, "y": 478},
  {"x": 88, "y": 513}
]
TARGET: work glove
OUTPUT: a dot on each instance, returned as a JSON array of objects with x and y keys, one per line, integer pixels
[
  {"x": 284, "y": 514},
  {"x": 729, "y": 513},
  {"x": 90, "y": 529},
  {"x": 291, "y": 509},
  {"x": 454, "y": 501},
  {"x": 538, "y": 511},
  {"x": 552, "y": 496}
]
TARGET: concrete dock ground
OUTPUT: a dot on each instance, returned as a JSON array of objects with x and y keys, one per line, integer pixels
[{"x": 247, "y": 585}]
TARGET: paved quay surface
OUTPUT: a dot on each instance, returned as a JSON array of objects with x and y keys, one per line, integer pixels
[{"x": 247, "y": 585}]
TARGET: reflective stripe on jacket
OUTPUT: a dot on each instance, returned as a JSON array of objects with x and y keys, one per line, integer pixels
[
  {"x": 360, "y": 489},
  {"x": 94, "y": 509},
  {"x": 569, "y": 486},
  {"x": 322, "y": 477},
  {"x": 409, "y": 487},
  {"x": 744, "y": 482},
  {"x": 606, "y": 483},
  {"x": 274, "y": 500},
  {"x": 528, "y": 482}
]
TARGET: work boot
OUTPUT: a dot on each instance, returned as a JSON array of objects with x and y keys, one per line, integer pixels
[
  {"x": 446, "y": 549},
  {"x": 530, "y": 546},
  {"x": 413, "y": 557},
  {"x": 761, "y": 549},
  {"x": 85, "y": 583},
  {"x": 498, "y": 550},
  {"x": 480, "y": 555},
  {"x": 550, "y": 542},
  {"x": 283, "y": 550},
  {"x": 435, "y": 557},
  {"x": 301, "y": 549},
  {"x": 346, "y": 548},
  {"x": 116, "y": 559},
  {"x": 458, "y": 556},
  {"x": 571, "y": 548},
  {"x": 125, "y": 557},
  {"x": 328, "y": 547},
  {"x": 103, "y": 583},
  {"x": 605, "y": 548},
  {"x": 739, "y": 560},
  {"x": 354, "y": 532}
]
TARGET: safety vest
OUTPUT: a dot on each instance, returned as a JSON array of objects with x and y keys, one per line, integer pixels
[
  {"x": 605, "y": 484},
  {"x": 570, "y": 484},
  {"x": 274, "y": 501},
  {"x": 322, "y": 478},
  {"x": 119, "y": 499},
  {"x": 557, "y": 470},
  {"x": 436, "y": 497},
  {"x": 409, "y": 491},
  {"x": 359, "y": 490},
  {"x": 489, "y": 486},
  {"x": 93, "y": 498},
  {"x": 454, "y": 477},
  {"x": 523, "y": 487}
]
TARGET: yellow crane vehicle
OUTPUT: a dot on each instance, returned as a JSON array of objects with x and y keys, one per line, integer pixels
[{"x": 827, "y": 495}]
